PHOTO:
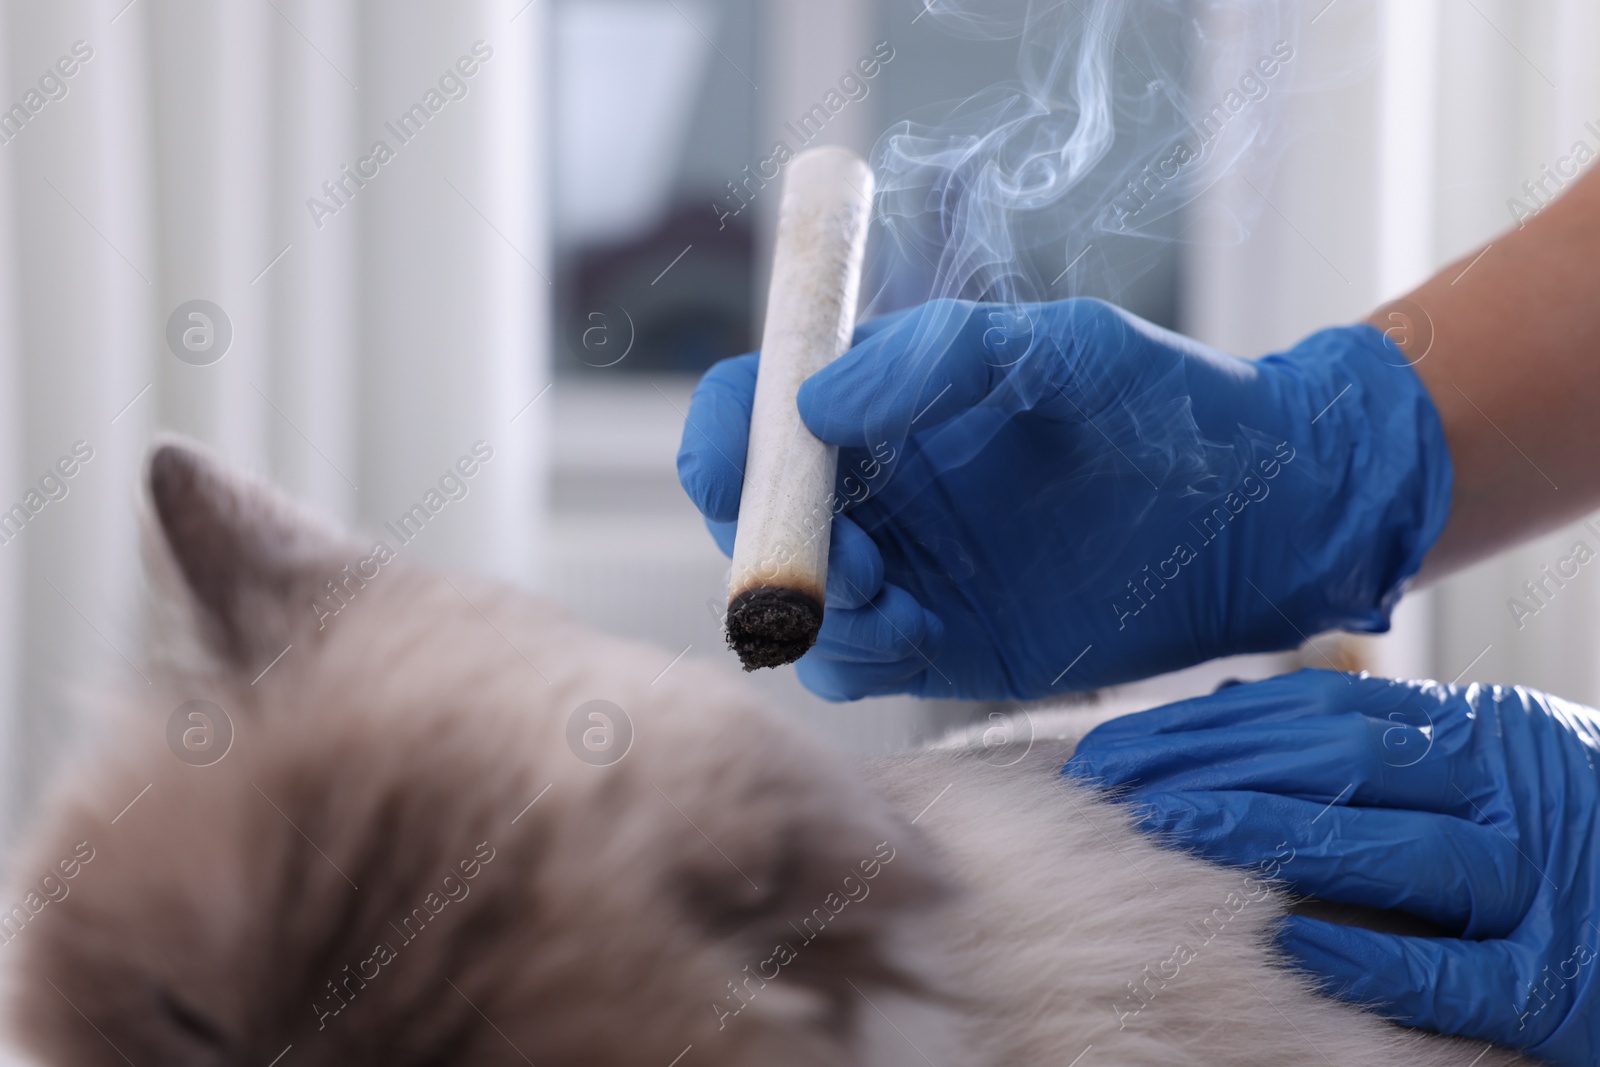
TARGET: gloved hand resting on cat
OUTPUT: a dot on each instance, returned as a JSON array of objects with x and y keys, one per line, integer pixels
[
  {"x": 1476, "y": 808},
  {"x": 1054, "y": 497}
]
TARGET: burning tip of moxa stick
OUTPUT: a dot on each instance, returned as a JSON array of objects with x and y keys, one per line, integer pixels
[
  {"x": 771, "y": 626},
  {"x": 780, "y": 556}
]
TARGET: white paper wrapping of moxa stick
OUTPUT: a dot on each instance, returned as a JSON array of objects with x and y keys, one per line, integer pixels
[{"x": 780, "y": 557}]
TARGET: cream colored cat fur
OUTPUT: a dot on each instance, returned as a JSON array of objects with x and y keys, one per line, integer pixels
[{"x": 403, "y": 860}]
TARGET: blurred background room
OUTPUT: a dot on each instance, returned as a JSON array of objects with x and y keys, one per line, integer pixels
[{"x": 567, "y": 222}]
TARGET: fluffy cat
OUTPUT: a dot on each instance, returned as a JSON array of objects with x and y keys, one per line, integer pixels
[{"x": 415, "y": 850}]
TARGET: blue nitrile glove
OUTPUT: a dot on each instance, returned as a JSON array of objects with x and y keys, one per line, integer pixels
[
  {"x": 1058, "y": 496},
  {"x": 1473, "y": 808}
]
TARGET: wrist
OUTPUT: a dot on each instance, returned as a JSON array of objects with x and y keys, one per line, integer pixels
[{"x": 1375, "y": 443}]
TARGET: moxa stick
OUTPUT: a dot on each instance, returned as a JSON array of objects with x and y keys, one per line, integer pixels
[{"x": 780, "y": 556}]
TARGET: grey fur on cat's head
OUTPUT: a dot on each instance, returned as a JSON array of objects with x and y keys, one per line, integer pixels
[{"x": 360, "y": 877}]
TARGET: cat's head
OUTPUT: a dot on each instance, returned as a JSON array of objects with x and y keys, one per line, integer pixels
[{"x": 364, "y": 813}]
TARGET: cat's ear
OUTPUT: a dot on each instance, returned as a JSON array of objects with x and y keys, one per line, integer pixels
[{"x": 231, "y": 559}]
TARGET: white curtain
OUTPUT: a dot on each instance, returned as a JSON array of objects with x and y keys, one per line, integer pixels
[{"x": 374, "y": 339}]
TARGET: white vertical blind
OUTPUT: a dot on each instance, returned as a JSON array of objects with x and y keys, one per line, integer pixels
[
  {"x": 1308, "y": 257},
  {"x": 1406, "y": 238},
  {"x": 367, "y": 354},
  {"x": 1407, "y": 117},
  {"x": 455, "y": 296},
  {"x": 312, "y": 436},
  {"x": 208, "y": 64},
  {"x": 809, "y": 45},
  {"x": 85, "y": 282},
  {"x": 12, "y": 441}
]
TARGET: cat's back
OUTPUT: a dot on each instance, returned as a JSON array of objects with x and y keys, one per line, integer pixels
[{"x": 1079, "y": 937}]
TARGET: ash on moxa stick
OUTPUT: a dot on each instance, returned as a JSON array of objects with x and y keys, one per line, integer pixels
[{"x": 780, "y": 556}]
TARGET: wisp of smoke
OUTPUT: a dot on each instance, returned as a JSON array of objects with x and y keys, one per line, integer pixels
[{"x": 1071, "y": 179}]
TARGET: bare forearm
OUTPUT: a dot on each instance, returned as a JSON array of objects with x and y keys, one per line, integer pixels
[{"x": 1508, "y": 346}]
